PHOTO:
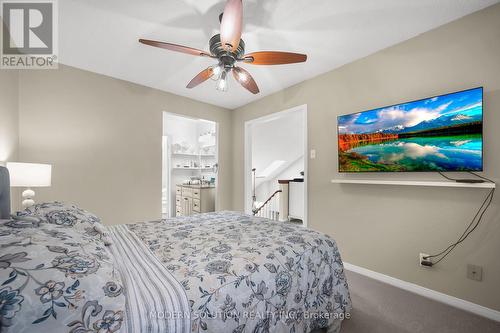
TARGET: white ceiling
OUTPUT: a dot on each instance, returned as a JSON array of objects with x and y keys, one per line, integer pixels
[{"x": 101, "y": 36}]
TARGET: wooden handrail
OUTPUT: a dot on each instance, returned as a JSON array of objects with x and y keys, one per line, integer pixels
[{"x": 256, "y": 210}]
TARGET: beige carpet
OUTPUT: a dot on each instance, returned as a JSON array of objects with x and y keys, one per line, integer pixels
[{"x": 379, "y": 307}]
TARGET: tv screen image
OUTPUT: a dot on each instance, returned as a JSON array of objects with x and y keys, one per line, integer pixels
[{"x": 442, "y": 133}]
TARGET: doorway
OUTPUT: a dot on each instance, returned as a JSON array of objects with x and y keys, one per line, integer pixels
[
  {"x": 189, "y": 165},
  {"x": 276, "y": 161}
]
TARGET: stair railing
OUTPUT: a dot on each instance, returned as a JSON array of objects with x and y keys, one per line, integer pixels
[{"x": 270, "y": 208}]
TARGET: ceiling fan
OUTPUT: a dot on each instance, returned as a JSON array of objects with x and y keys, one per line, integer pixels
[{"x": 229, "y": 49}]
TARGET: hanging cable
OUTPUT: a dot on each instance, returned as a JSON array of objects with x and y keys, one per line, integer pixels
[
  {"x": 470, "y": 228},
  {"x": 464, "y": 180},
  {"x": 487, "y": 179},
  {"x": 445, "y": 176}
]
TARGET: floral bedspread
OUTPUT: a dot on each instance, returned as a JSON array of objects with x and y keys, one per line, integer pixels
[
  {"x": 55, "y": 278},
  {"x": 248, "y": 274}
]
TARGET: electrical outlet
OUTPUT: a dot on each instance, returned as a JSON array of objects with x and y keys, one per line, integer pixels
[
  {"x": 421, "y": 258},
  {"x": 474, "y": 272}
]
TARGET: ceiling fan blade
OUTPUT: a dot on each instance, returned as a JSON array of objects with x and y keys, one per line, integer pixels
[
  {"x": 175, "y": 47},
  {"x": 245, "y": 79},
  {"x": 273, "y": 58},
  {"x": 231, "y": 25},
  {"x": 201, "y": 77}
]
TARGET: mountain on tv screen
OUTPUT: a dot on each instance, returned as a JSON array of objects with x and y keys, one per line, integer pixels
[{"x": 442, "y": 133}]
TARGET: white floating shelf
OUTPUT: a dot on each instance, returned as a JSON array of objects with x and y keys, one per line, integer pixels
[
  {"x": 193, "y": 155},
  {"x": 191, "y": 168},
  {"x": 413, "y": 183},
  {"x": 184, "y": 155}
]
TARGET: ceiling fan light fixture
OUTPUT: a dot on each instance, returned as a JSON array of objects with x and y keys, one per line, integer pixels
[
  {"x": 229, "y": 49},
  {"x": 217, "y": 70},
  {"x": 222, "y": 83}
]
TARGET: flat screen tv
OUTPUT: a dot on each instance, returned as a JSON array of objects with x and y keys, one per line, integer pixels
[{"x": 441, "y": 133}]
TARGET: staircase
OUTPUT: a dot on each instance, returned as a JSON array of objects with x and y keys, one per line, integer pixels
[{"x": 269, "y": 208}]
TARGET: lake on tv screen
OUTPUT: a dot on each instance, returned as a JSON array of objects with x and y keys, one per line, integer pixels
[{"x": 442, "y": 133}]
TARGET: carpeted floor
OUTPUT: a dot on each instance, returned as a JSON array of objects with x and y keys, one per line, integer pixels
[{"x": 379, "y": 307}]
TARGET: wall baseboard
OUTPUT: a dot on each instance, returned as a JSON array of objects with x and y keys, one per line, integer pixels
[{"x": 428, "y": 293}]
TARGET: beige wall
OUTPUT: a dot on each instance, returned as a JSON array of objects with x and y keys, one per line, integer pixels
[
  {"x": 103, "y": 137},
  {"x": 9, "y": 137},
  {"x": 9, "y": 122},
  {"x": 384, "y": 228}
]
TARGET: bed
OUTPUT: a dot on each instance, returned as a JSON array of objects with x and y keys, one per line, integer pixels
[{"x": 214, "y": 272}]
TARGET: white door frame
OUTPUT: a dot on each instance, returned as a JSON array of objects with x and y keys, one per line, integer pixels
[
  {"x": 248, "y": 156},
  {"x": 165, "y": 178}
]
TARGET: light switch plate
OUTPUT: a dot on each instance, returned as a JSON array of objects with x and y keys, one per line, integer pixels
[
  {"x": 474, "y": 272},
  {"x": 313, "y": 154}
]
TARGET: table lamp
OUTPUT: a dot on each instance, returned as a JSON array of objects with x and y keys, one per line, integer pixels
[{"x": 29, "y": 175}]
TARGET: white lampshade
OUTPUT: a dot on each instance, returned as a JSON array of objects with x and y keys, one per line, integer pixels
[{"x": 29, "y": 174}]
